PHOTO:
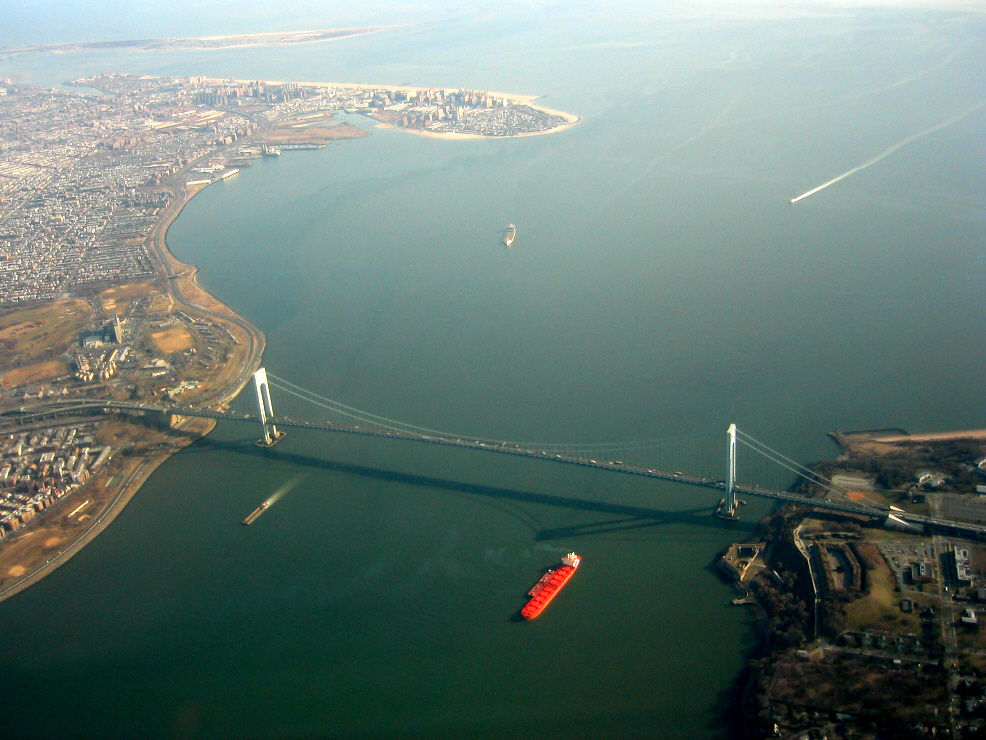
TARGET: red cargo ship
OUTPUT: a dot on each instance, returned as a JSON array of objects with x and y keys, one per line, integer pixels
[{"x": 550, "y": 584}]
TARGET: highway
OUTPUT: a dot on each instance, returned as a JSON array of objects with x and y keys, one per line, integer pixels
[
  {"x": 47, "y": 409},
  {"x": 157, "y": 243}
]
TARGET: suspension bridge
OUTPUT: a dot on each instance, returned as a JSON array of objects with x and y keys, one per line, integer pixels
[
  {"x": 660, "y": 459},
  {"x": 675, "y": 460},
  {"x": 685, "y": 460}
]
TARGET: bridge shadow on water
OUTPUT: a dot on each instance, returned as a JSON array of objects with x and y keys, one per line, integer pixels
[{"x": 623, "y": 517}]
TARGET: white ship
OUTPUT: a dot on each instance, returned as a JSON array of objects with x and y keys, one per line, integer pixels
[{"x": 510, "y": 235}]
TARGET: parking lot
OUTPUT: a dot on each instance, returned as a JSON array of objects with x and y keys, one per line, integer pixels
[{"x": 900, "y": 556}]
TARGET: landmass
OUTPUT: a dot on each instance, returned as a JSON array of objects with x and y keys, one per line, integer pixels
[
  {"x": 456, "y": 114},
  {"x": 871, "y": 626},
  {"x": 200, "y": 43},
  {"x": 870, "y": 623},
  {"x": 94, "y": 306}
]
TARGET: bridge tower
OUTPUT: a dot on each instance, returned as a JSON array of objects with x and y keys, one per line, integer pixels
[
  {"x": 731, "y": 473},
  {"x": 727, "y": 506},
  {"x": 265, "y": 410}
]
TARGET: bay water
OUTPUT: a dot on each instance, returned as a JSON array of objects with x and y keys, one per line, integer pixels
[{"x": 661, "y": 285}]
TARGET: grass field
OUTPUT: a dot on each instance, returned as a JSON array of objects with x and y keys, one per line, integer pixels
[
  {"x": 36, "y": 373},
  {"x": 32, "y": 334},
  {"x": 880, "y": 608},
  {"x": 162, "y": 303},
  {"x": 175, "y": 339},
  {"x": 877, "y": 535},
  {"x": 116, "y": 300}
]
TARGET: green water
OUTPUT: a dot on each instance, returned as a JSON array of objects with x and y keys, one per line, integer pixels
[{"x": 661, "y": 285}]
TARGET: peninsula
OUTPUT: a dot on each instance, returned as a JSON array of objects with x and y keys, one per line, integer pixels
[
  {"x": 200, "y": 43},
  {"x": 94, "y": 306}
]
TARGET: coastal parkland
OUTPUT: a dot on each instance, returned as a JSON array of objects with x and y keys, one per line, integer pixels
[{"x": 94, "y": 308}]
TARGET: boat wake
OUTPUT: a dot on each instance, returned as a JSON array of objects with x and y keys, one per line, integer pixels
[
  {"x": 887, "y": 152},
  {"x": 285, "y": 488},
  {"x": 279, "y": 493}
]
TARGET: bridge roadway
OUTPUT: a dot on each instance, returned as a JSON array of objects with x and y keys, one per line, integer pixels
[{"x": 946, "y": 526}]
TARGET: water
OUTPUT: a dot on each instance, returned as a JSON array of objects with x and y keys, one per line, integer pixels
[{"x": 661, "y": 284}]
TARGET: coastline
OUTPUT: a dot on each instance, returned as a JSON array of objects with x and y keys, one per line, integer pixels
[
  {"x": 462, "y": 137},
  {"x": 569, "y": 120},
  {"x": 182, "y": 285},
  {"x": 179, "y": 281},
  {"x": 877, "y": 437},
  {"x": 207, "y": 43},
  {"x": 134, "y": 477},
  {"x": 528, "y": 100},
  {"x": 842, "y": 600},
  {"x": 185, "y": 289}
]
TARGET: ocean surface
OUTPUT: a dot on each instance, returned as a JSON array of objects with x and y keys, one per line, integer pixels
[{"x": 662, "y": 285}]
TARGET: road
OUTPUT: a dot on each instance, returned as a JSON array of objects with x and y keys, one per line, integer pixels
[{"x": 157, "y": 243}]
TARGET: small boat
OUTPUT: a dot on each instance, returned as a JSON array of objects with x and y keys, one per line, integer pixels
[
  {"x": 256, "y": 512},
  {"x": 510, "y": 235}
]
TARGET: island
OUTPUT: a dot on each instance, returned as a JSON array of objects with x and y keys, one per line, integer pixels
[{"x": 94, "y": 306}]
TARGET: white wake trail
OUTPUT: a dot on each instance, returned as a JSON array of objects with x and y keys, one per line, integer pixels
[
  {"x": 712, "y": 125},
  {"x": 285, "y": 488},
  {"x": 887, "y": 152}
]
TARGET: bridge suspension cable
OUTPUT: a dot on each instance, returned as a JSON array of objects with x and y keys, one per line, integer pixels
[
  {"x": 341, "y": 408},
  {"x": 780, "y": 458},
  {"x": 794, "y": 466},
  {"x": 603, "y": 450},
  {"x": 394, "y": 425}
]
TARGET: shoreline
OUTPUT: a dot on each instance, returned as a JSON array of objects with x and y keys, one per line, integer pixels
[
  {"x": 570, "y": 119},
  {"x": 205, "y": 43},
  {"x": 770, "y": 691},
  {"x": 179, "y": 280},
  {"x": 175, "y": 276},
  {"x": 448, "y": 136},
  {"x": 863, "y": 437},
  {"x": 528, "y": 100},
  {"x": 135, "y": 476}
]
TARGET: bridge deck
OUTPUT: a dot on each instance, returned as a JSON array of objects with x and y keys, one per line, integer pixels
[{"x": 60, "y": 407}]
